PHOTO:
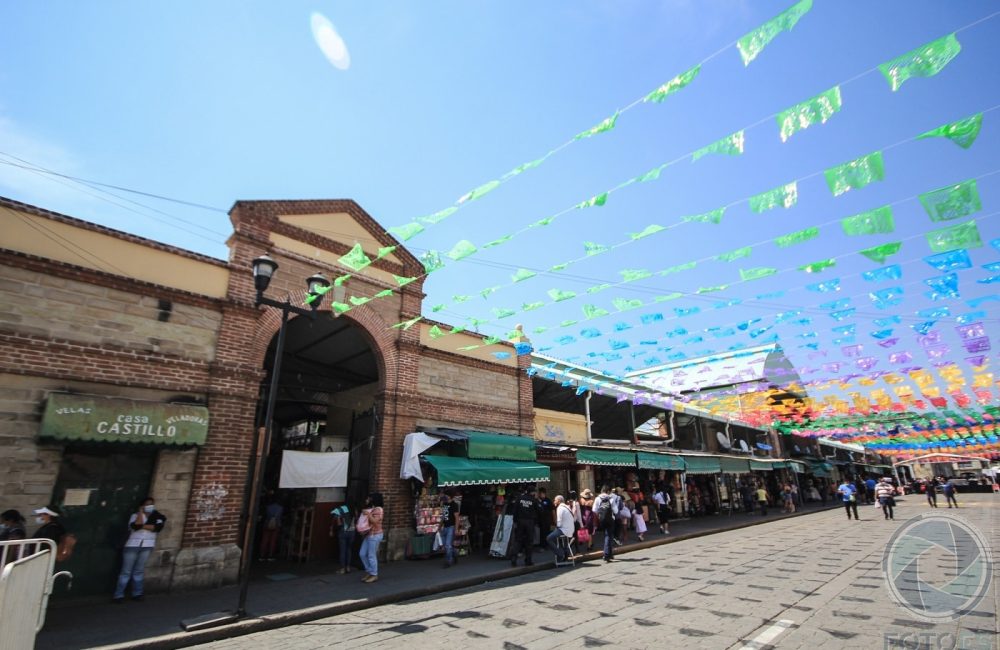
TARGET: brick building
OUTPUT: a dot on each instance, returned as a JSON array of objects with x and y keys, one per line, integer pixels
[{"x": 132, "y": 368}]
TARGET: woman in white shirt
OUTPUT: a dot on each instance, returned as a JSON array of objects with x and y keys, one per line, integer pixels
[{"x": 144, "y": 524}]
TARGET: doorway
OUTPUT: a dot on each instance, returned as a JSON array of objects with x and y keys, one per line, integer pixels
[{"x": 108, "y": 483}]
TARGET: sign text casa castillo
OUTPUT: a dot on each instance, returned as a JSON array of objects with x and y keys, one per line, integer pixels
[{"x": 102, "y": 419}]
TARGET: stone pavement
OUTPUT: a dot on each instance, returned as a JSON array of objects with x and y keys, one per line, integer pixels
[
  {"x": 281, "y": 594},
  {"x": 813, "y": 582}
]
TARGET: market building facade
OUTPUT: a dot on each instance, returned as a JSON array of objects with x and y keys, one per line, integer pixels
[{"x": 135, "y": 368}]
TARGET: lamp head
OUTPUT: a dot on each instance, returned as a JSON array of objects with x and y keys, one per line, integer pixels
[
  {"x": 316, "y": 283},
  {"x": 264, "y": 269}
]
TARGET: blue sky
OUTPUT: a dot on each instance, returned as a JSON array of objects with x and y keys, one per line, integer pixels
[{"x": 215, "y": 102}]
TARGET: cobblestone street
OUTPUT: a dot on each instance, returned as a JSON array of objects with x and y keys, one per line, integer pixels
[{"x": 811, "y": 582}]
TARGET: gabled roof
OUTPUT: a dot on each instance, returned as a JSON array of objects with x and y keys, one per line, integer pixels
[
  {"x": 581, "y": 378},
  {"x": 765, "y": 364},
  {"x": 330, "y": 224}
]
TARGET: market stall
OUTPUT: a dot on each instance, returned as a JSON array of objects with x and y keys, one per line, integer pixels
[{"x": 475, "y": 468}]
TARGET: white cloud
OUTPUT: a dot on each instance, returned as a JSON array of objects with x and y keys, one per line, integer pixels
[{"x": 330, "y": 42}]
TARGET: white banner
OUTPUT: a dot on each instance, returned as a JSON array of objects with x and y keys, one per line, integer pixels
[{"x": 308, "y": 469}]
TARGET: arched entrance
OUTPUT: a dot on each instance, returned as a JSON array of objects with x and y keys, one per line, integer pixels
[{"x": 327, "y": 401}]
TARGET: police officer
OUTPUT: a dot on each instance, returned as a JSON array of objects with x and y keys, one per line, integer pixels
[{"x": 525, "y": 510}]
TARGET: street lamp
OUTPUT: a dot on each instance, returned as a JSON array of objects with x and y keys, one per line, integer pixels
[{"x": 264, "y": 269}]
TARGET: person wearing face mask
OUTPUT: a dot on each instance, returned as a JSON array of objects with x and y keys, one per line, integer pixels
[
  {"x": 49, "y": 525},
  {"x": 12, "y": 526},
  {"x": 143, "y": 526}
]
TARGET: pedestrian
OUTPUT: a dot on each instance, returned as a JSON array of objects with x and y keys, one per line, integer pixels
[
  {"x": 545, "y": 516},
  {"x": 788, "y": 497},
  {"x": 343, "y": 528},
  {"x": 762, "y": 499},
  {"x": 931, "y": 487},
  {"x": 638, "y": 520},
  {"x": 624, "y": 520},
  {"x": 606, "y": 507},
  {"x": 370, "y": 525},
  {"x": 449, "y": 512},
  {"x": 662, "y": 500},
  {"x": 525, "y": 510},
  {"x": 870, "y": 484},
  {"x": 812, "y": 494},
  {"x": 796, "y": 498},
  {"x": 273, "y": 514},
  {"x": 573, "y": 503},
  {"x": 143, "y": 525},
  {"x": 746, "y": 492},
  {"x": 564, "y": 528},
  {"x": 12, "y": 526},
  {"x": 849, "y": 495},
  {"x": 49, "y": 525},
  {"x": 619, "y": 532},
  {"x": 885, "y": 494},
  {"x": 949, "y": 492},
  {"x": 587, "y": 517}
]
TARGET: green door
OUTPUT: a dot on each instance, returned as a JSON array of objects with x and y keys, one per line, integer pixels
[{"x": 107, "y": 483}]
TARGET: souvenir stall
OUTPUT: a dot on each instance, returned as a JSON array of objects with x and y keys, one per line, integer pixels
[
  {"x": 764, "y": 474},
  {"x": 612, "y": 467},
  {"x": 701, "y": 484},
  {"x": 661, "y": 469},
  {"x": 818, "y": 480},
  {"x": 428, "y": 514},
  {"x": 465, "y": 465},
  {"x": 732, "y": 468}
]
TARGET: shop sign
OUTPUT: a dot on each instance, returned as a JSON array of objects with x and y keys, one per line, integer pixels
[{"x": 103, "y": 419}]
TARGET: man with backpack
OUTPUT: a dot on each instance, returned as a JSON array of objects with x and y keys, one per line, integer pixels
[
  {"x": 525, "y": 510},
  {"x": 606, "y": 507}
]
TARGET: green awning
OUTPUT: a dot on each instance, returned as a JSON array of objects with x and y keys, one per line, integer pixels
[
  {"x": 820, "y": 469},
  {"x": 761, "y": 465},
  {"x": 779, "y": 464},
  {"x": 612, "y": 457},
  {"x": 797, "y": 466},
  {"x": 702, "y": 464},
  {"x": 649, "y": 460},
  {"x": 497, "y": 446},
  {"x": 106, "y": 419},
  {"x": 452, "y": 470},
  {"x": 734, "y": 465}
]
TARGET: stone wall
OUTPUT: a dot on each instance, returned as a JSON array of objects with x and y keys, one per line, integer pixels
[
  {"x": 27, "y": 471},
  {"x": 171, "y": 488},
  {"x": 62, "y": 308},
  {"x": 456, "y": 381}
]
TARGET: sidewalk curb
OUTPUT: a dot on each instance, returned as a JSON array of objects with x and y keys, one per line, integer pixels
[{"x": 283, "y": 619}]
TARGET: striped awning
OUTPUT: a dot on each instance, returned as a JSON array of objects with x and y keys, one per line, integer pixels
[
  {"x": 761, "y": 465},
  {"x": 734, "y": 465},
  {"x": 649, "y": 460},
  {"x": 611, "y": 457},
  {"x": 798, "y": 466},
  {"x": 453, "y": 470},
  {"x": 702, "y": 464}
]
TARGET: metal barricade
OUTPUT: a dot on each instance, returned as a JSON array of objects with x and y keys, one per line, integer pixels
[{"x": 26, "y": 581}]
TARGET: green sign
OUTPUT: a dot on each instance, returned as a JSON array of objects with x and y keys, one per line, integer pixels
[{"x": 103, "y": 419}]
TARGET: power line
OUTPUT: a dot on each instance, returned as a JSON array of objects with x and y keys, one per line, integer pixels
[{"x": 151, "y": 195}]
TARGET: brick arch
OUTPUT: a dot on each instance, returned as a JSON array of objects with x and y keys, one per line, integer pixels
[{"x": 374, "y": 328}]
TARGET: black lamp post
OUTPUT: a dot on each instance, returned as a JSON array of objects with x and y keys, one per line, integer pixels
[{"x": 264, "y": 269}]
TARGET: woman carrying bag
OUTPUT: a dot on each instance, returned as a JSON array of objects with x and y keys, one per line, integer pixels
[{"x": 370, "y": 526}]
